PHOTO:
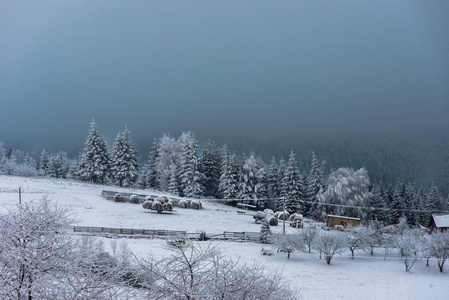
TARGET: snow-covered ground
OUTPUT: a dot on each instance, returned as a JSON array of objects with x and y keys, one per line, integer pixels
[{"x": 366, "y": 277}]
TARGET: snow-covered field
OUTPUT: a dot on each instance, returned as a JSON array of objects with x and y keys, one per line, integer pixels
[{"x": 366, "y": 277}]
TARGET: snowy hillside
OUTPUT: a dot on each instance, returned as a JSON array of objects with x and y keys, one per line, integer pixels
[{"x": 366, "y": 277}]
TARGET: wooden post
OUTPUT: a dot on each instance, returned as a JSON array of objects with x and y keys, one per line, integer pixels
[{"x": 20, "y": 195}]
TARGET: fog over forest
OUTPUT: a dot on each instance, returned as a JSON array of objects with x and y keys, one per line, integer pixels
[{"x": 360, "y": 83}]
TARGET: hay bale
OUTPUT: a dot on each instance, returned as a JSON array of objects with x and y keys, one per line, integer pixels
[
  {"x": 183, "y": 203},
  {"x": 157, "y": 206},
  {"x": 119, "y": 198},
  {"x": 149, "y": 198},
  {"x": 282, "y": 215},
  {"x": 167, "y": 206},
  {"x": 295, "y": 216},
  {"x": 268, "y": 211},
  {"x": 195, "y": 204},
  {"x": 162, "y": 199},
  {"x": 134, "y": 199},
  {"x": 147, "y": 204},
  {"x": 272, "y": 221}
]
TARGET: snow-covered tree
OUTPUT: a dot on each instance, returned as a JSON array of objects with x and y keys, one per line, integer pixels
[
  {"x": 151, "y": 171},
  {"x": 167, "y": 155},
  {"x": 190, "y": 177},
  {"x": 58, "y": 166},
  {"x": 329, "y": 244},
  {"x": 409, "y": 244},
  {"x": 265, "y": 233},
  {"x": 210, "y": 167},
  {"x": 308, "y": 236},
  {"x": 228, "y": 183},
  {"x": 44, "y": 163},
  {"x": 272, "y": 179},
  {"x": 346, "y": 195},
  {"x": 95, "y": 164},
  {"x": 124, "y": 167},
  {"x": 440, "y": 248},
  {"x": 281, "y": 184},
  {"x": 355, "y": 239},
  {"x": 173, "y": 186},
  {"x": 315, "y": 184},
  {"x": 252, "y": 182},
  {"x": 292, "y": 186},
  {"x": 378, "y": 207}
]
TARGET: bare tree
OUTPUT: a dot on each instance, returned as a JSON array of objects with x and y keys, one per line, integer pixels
[
  {"x": 356, "y": 238},
  {"x": 308, "y": 235},
  {"x": 196, "y": 273},
  {"x": 409, "y": 244},
  {"x": 440, "y": 248},
  {"x": 330, "y": 243}
]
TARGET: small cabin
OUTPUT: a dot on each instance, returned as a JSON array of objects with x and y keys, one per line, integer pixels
[
  {"x": 333, "y": 220},
  {"x": 439, "y": 222}
]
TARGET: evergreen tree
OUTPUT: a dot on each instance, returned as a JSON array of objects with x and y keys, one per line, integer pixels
[
  {"x": 292, "y": 186},
  {"x": 398, "y": 205},
  {"x": 210, "y": 166},
  {"x": 265, "y": 233},
  {"x": 315, "y": 183},
  {"x": 44, "y": 164},
  {"x": 151, "y": 174},
  {"x": 281, "y": 184},
  {"x": 434, "y": 203},
  {"x": 190, "y": 176},
  {"x": 272, "y": 180},
  {"x": 58, "y": 165},
  {"x": 94, "y": 165},
  {"x": 167, "y": 155},
  {"x": 173, "y": 186},
  {"x": 228, "y": 183},
  {"x": 390, "y": 204},
  {"x": 124, "y": 160},
  {"x": 377, "y": 206},
  {"x": 252, "y": 184}
]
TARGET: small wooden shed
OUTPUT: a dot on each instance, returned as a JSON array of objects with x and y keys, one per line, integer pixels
[
  {"x": 439, "y": 222},
  {"x": 333, "y": 220}
]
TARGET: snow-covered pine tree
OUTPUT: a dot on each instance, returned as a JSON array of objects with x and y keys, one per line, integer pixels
[
  {"x": 434, "y": 203},
  {"x": 210, "y": 166},
  {"x": 173, "y": 186},
  {"x": 44, "y": 163},
  {"x": 281, "y": 183},
  {"x": 377, "y": 206},
  {"x": 94, "y": 165},
  {"x": 190, "y": 177},
  {"x": 399, "y": 201},
  {"x": 292, "y": 185},
  {"x": 315, "y": 183},
  {"x": 58, "y": 166},
  {"x": 124, "y": 160},
  {"x": 251, "y": 186},
  {"x": 151, "y": 171},
  {"x": 272, "y": 179},
  {"x": 167, "y": 155},
  {"x": 265, "y": 233},
  {"x": 228, "y": 183}
]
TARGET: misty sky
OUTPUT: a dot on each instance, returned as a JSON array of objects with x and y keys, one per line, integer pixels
[{"x": 224, "y": 69}]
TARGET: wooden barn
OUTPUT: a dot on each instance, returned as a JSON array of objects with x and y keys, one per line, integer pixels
[
  {"x": 439, "y": 222},
  {"x": 333, "y": 220}
]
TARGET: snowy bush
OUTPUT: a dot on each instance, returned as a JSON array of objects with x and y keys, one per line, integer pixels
[
  {"x": 119, "y": 198},
  {"x": 162, "y": 199},
  {"x": 195, "y": 204},
  {"x": 149, "y": 198},
  {"x": 157, "y": 206},
  {"x": 134, "y": 199},
  {"x": 265, "y": 233},
  {"x": 147, "y": 204},
  {"x": 167, "y": 206},
  {"x": 282, "y": 215},
  {"x": 183, "y": 203},
  {"x": 271, "y": 220},
  {"x": 409, "y": 244}
]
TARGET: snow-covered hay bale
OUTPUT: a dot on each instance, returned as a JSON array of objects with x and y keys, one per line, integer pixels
[
  {"x": 268, "y": 211},
  {"x": 147, "y": 204},
  {"x": 134, "y": 199},
  {"x": 282, "y": 215},
  {"x": 149, "y": 198},
  {"x": 157, "y": 206},
  {"x": 272, "y": 221},
  {"x": 183, "y": 203},
  {"x": 195, "y": 204},
  {"x": 295, "y": 216},
  {"x": 119, "y": 198},
  {"x": 167, "y": 206},
  {"x": 162, "y": 199}
]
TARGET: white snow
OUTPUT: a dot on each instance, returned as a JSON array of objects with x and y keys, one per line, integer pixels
[{"x": 365, "y": 277}]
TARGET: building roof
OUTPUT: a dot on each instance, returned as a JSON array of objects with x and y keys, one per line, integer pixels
[
  {"x": 343, "y": 217},
  {"x": 441, "y": 220}
]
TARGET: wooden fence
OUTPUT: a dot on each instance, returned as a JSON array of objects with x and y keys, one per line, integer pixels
[{"x": 155, "y": 233}]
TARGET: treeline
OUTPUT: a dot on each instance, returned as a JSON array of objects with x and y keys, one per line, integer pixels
[{"x": 178, "y": 166}]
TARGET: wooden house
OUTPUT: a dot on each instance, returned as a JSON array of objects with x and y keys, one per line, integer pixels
[
  {"x": 439, "y": 222},
  {"x": 333, "y": 220}
]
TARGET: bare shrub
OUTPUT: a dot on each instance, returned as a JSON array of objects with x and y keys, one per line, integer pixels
[
  {"x": 167, "y": 206},
  {"x": 157, "y": 206},
  {"x": 329, "y": 243},
  {"x": 195, "y": 204},
  {"x": 147, "y": 204},
  {"x": 183, "y": 203},
  {"x": 119, "y": 198},
  {"x": 134, "y": 199}
]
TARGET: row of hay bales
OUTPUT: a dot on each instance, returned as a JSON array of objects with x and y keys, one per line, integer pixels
[
  {"x": 163, "y": 203},
  {"x": 272, "y": 218}
]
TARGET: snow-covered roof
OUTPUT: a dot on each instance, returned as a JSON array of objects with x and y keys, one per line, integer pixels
[
  {"x": 343, "y": 217},
  {"x": 441, "y": 220}
]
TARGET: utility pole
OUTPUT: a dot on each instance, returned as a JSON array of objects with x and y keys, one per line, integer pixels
[
  {"x": 20, "y": 195},
  {"x": 283, "y": 215}
]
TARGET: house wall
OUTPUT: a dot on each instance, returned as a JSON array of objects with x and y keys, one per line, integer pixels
[{"x": 332, "y": 221}]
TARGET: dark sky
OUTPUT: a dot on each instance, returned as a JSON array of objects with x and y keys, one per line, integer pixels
[{"x": 224, "y": 69}]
